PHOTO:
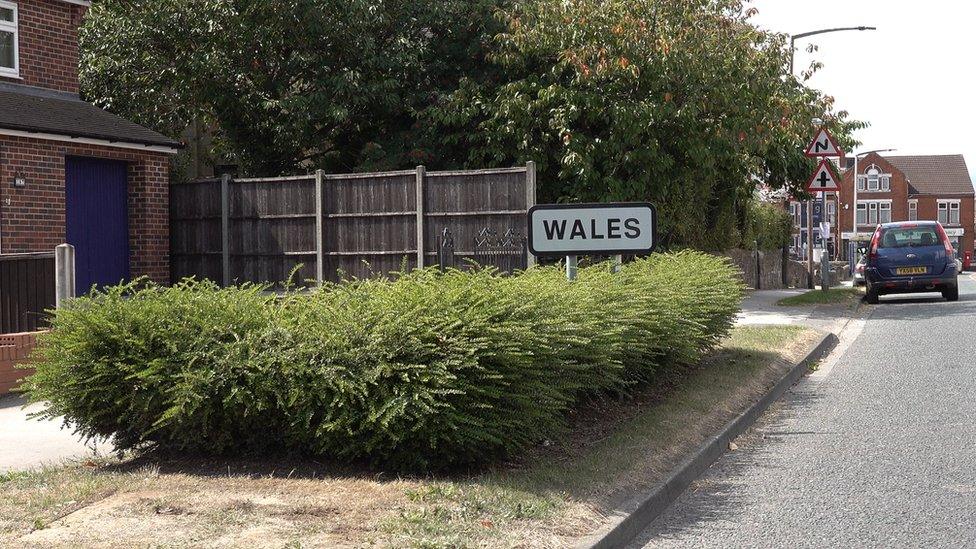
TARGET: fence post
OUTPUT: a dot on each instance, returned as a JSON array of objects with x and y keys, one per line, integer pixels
[
  {"x": 319, "y": 227},
  {"x": 64, "y": 274},
  {"x": 530, "y": 184},
  {"x": 225, "y": 228},
  {"x": 445, "y": 253},
  {"x": 421, "y": 179}
]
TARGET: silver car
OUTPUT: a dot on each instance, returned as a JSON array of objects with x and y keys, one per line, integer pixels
[{"x": 859, "y": 272}]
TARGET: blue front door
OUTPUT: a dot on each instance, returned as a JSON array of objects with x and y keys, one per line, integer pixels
[{"x": 96, "y": 217}]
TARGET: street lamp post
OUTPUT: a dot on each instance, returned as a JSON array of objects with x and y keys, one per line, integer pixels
[{"x": 793, "y": 39}]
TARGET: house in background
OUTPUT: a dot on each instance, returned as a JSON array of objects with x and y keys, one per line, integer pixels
[
  {"x": 69, "y": 171},
  {"x": 910, "y": 188},
  {"x": 894, "y": 188}
]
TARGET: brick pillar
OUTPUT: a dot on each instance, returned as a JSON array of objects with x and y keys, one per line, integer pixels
[{"x": 149, "y": 217}]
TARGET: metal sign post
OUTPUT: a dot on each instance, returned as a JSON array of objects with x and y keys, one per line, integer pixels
[
  {"x": 823, "y": 146},
  {"x": 572, "y": 267}
]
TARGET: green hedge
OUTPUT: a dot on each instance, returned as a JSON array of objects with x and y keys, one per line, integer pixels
[{"x": 427, "y": 371}]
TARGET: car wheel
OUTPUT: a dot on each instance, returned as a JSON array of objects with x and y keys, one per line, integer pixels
[
  {"x": 951, "y": 295},
  {"x": 871, "y": 296}
]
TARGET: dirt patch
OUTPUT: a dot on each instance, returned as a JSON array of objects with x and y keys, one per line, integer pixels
[{"x": 187, "y": 511}]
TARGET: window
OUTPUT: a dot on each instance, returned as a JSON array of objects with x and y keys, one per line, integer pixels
[
  {"x": 884, "y": 212},
  {"x": 831, "y": 212},
  {"x": 949, "y": 212},
  {"x": 916, "y": 237},
  {"x": 873, "y": 212},
  {"x": 913, "y": 210},
  {"x": 873, "y": 179},
  {"x": 795, "y": 212},
  {"x": 9, "y": 62}
]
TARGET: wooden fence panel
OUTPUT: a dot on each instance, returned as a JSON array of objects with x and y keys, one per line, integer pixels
[
  {"x": 272, "y": 230},
  {"x": 370, "y": 223},
  {"x": 195, "y": 244},
  {"x": 485, "y": 211},
  {"x": 26, "y": 291}
]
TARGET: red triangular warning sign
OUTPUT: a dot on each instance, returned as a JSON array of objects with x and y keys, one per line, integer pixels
[
  {"x": 823, "y": 145},
  {"x": 822, "y": 178}
]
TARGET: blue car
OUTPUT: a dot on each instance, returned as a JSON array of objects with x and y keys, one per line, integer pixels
[{"x": 908, "y": 257}]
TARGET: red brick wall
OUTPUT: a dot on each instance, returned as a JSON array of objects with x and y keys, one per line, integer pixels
[
  {"x": 898, "y": 193},
  {"x": 14, "y": 350},
  {"x": 48, "y": 37},
  {"x": 34, "y": 220}
]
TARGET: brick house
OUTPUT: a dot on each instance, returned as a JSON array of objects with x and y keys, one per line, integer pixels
[
  {"x": 898, "y": 188},
  {"x": 69, "y": 171}
]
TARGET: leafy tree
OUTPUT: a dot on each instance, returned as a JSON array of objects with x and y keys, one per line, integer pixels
[
  {"x": 682, "y": 103},
  {"x": 767, "y": 226},
  {"x": 288, "y": 84}
]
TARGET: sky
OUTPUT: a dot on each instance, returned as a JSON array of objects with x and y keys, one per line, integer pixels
[{"x": 913, "y": 79}]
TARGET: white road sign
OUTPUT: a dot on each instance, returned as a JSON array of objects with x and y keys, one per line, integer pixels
[
  {"x": 823, "y": 178},
  {"x": 577, "y": 229},
  {"x": 823, "y": 145}
]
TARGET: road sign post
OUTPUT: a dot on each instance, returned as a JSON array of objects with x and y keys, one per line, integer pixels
[
  {"x": 823, "y": 146},
  {"x": 571, "y": 230}
]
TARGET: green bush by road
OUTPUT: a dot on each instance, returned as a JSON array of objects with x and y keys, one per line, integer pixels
[{"x": 423, "y": 372}]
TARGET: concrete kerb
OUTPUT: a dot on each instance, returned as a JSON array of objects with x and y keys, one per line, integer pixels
[{"x": 630, "y": 519}]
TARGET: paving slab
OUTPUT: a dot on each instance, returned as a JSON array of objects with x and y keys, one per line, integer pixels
[{"x": 27, "y": 443}]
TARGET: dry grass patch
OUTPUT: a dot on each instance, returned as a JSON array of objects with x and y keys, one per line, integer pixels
[{"x": 548, "y": 499}]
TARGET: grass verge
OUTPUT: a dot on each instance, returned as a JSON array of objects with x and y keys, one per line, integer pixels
[
  {"x": 547, "y": 499},
  {"x": 819, "y": 297}
]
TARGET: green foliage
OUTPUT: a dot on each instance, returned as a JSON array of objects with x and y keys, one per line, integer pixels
[
  {"x": 284, "y": 85},
  {"x": 682, "y": 103},
  {"x": 423, "y": 372},
  {"x": 768, "y": 225}
]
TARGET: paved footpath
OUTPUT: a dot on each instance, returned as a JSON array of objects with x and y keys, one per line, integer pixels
[
  {"x": 878, "y": 450},
  {"x": 30, "y": 443},
  {"x": 759, "y": 307}
]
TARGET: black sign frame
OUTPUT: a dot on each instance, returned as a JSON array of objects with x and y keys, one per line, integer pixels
[{"x": 593, "y": 206}]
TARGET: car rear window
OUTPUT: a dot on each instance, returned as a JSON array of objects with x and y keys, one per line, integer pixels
[{"x": 913, "y": 237}]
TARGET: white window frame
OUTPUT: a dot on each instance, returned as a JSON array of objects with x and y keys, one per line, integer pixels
[
  {"x": 872, "y": 212},
  {"x": 913, "y": 210},
  {"x": 12, "y": 27},
  {"x": 873, "y": 180},
  {"x": 951, "y": 209}
]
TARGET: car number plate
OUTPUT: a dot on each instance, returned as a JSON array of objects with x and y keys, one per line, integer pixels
[{"x": 911, "y": 270}]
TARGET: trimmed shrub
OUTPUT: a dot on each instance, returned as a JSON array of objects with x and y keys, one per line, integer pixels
[{"x": 423, "y": 372}]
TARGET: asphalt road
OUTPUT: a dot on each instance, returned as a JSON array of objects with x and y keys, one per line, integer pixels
[{"x": 879, "y": 452}]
